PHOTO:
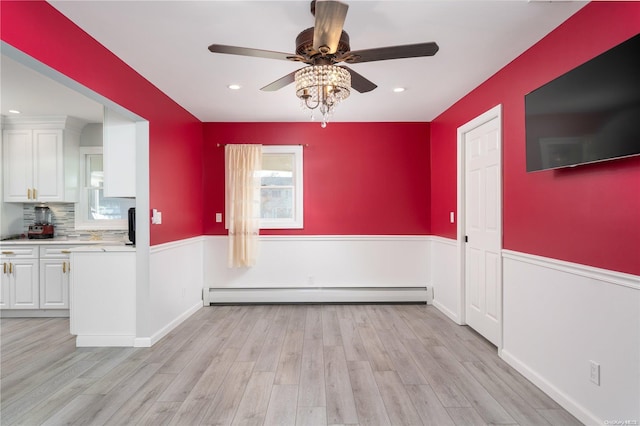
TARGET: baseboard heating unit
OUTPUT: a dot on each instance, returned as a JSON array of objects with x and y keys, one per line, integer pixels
[{"x": 318, "y": 295}]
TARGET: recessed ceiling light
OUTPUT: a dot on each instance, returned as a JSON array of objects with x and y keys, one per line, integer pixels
[
  {"x": 234, "y": 86},
  {"x": 399, "y": 89},
  {"x": 14, "y": 111}
]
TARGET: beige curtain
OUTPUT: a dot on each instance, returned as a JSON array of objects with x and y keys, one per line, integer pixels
[{"x": 242, "y": 162}]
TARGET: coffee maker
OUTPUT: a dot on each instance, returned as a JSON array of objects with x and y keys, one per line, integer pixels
[{"x": 43, "y": 226}]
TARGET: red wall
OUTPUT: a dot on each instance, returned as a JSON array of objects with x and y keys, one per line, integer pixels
[
  {"x": 175, "y": 145},
  {"x": 359, "y": 178},
  {"x": 588, "y": 214}
]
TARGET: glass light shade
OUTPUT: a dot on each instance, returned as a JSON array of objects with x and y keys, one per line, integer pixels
[{"x": 322, "y": 87}]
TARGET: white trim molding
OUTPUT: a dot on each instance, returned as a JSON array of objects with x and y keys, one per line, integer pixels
[
  {"x": 604, "y": 275},
  {"x": 147, "y": 342}
]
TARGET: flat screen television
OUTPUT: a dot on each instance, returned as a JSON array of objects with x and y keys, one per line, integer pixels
[{"x": 589, "y": 114}]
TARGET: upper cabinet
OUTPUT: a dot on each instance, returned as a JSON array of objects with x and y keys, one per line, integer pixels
[
  {"x": 40, "y": 159},
  {"x": 119, "y": 155}
]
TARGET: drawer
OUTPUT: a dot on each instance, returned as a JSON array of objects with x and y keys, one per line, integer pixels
[
  {"x": 55, "y": 252},
  {"x": 19, "y": 252}
]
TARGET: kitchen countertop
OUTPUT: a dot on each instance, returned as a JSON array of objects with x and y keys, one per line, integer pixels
[
  {"x": 102, "y": 249},
  {"x": 58, "y": 240}
]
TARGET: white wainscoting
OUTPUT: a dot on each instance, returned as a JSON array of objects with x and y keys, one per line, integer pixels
[
  {"x": 445, "y": 277},
  {"x": 175, "y": 285},
  {"x": 322, "y": 269},
  {"x": 559, "y": 316}
]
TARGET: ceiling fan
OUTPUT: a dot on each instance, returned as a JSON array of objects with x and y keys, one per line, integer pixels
[{"x": 328, "y": 44}]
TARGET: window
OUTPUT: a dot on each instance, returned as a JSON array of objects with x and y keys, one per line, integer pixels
[
  {"x": 281, "y": 187},
  {"x": 94, "y": 211}
]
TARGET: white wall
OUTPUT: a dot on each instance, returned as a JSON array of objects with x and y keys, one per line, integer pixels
[
  {"x": 445, "y": 276},
  {"x": 558, "y": 316},
  {"x": 91, "y": 135},
  {"x": 317, "y": 264},
  {"x": 175, "y": 286}
]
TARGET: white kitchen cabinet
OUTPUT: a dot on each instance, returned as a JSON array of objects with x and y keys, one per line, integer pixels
[
  {"x": 40, "y": 159},
  {"x": 119, "y": 155},
  {"x": 55, "y": 269},
  {"x": 19, "y": 284}
]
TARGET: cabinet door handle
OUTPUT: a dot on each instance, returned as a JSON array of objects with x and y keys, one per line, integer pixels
[
  {"x": 35, "y": 197},
  {"x": 5, "y": 267},
  {"x": 65, "y": 251},
  {"x": 7, "y": 252},
  {"x": 10, "y": 268},
  {"x": 64, "y": 267},
  {"x": 28, "y": 193}
]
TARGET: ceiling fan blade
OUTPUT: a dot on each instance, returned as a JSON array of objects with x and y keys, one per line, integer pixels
[
  {"x": 280, "y": 83},
  {"x": 359, "y": 83},
  {"x": 392, "y": 52},
  {"x": 330, "y": 16},
  {"x": 245, "y": 51}
]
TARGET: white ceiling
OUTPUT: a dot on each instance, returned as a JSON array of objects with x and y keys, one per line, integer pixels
[{"x": 166, "y": 42}]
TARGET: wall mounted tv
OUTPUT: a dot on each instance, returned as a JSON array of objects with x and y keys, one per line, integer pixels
[{"x": 589, "y": 114}]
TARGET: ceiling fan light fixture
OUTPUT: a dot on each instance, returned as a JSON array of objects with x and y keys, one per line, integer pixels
[{"x": 322, "y": 87}]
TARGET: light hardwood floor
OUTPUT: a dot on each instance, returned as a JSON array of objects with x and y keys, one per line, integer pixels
[{"x": 271, "y": 365}]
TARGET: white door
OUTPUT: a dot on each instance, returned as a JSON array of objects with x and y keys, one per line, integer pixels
[{"x": 483, "y": 229}]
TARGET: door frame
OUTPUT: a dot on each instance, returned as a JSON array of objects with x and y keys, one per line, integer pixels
[{"x": 493, "y": 113}]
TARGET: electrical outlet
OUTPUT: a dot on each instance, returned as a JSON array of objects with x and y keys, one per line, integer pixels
[{"x": 594, "y": 372}]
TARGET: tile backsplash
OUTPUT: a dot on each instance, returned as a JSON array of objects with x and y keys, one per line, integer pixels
[{"x": 63, "y": 217}]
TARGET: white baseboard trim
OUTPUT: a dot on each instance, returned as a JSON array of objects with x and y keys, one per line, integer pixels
[
  {"x": 568, "y": 403},
  {"x": 84, "y": 341},
  {"x": 448, "y": 312},
  {"x": 147, "y": 342},
  {"x": 34, "y": 313},
  {"x": 319, "y": 295}
]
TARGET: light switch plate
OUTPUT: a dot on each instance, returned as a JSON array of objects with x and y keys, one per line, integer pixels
[
  {"x": 218, "y": 217},
  {"x": 156, "y": 217}
]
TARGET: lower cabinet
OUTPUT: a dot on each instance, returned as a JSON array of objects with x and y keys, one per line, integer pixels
[
  {"x": 54, "y": 284},
  {"x": 35, "y": 277},
  {"x": 19, "y": 282},
  {"x": 55, "y": 268}
]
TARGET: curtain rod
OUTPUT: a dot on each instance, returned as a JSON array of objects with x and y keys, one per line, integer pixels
[{"x": 295, "y": 144}]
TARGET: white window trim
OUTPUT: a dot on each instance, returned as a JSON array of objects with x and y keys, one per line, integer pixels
[
  {"x": 81, "y": 223},
  {"x": 297, "y": 222}
]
